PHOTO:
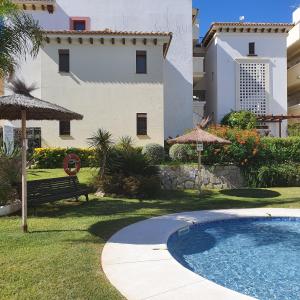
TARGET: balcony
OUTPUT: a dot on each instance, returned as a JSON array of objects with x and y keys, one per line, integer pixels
[
  {"x": 294, "y": 78},
  {"x": 198, "y": 65},
  {"x": 196, "y": 32},
  {"x": 39, "y": 5}
]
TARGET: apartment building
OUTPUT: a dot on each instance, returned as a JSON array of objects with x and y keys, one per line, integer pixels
[
  {"x": 246, "y": 69},
  {"x": 127, "y": 66},
  {"x": 293, "y": 56}
]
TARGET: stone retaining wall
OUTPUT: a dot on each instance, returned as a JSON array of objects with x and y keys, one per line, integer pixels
[{"x": 212, "y": 177}]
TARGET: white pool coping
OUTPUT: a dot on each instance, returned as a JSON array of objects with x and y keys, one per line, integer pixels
[{"x": 136, "y": 260}]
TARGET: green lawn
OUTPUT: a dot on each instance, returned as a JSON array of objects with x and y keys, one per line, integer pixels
[{"x": 60, "y": 257}]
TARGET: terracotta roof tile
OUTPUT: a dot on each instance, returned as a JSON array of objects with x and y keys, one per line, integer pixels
[
  {"x": 214, "y": 26},
  {"x": 109, "y": 32}
]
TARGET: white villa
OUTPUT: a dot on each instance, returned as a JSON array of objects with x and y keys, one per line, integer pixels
[{"x": 138, "y": 68}]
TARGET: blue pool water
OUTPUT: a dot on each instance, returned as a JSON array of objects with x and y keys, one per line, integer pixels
[{"x": 257, "y": 257}]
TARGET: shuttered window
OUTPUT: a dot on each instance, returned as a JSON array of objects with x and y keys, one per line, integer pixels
[
  {"x": 252, "y": 49},
  {"x": 64, "y": 61},
  {"x": 64, "y": 128},
  {"x": 141, "y": 62},
  {"x": 141, "y": 122}
]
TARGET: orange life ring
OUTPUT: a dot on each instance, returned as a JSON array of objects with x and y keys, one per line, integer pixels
[{"x": 74, "y": 159}]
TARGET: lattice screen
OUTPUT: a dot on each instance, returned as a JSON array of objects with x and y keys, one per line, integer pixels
[{"x": 253, "y": 84}]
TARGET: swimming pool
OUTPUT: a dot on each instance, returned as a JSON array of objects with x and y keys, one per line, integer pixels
[{"x": 259, "y": 257}]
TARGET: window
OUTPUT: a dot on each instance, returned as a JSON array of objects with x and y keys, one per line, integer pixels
[
  {"x": 252, "y": 49},
  {"x": 64, "y": 61},
  {"x": 64, "y": 128},
  {"x": 141, "y": 122},
  {"x": 79, "y": 25},
  {"x": 141, "y": 62},
  {"x": 253, "y": 87}
]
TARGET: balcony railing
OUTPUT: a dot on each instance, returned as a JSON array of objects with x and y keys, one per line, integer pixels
[
  {"x": 294, "y": 77},
  {"x": 198, "y": 64}
]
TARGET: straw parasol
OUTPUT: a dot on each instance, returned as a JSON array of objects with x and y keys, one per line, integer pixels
[
  {"x": 23, "y": 106},
  {"x": 199, "y": 136}
]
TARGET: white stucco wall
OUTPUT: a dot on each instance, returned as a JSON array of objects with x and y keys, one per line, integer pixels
[
  {"x": 145, "y": 15},
  {"x": 104, "y": 87},
  {"x": 211, "y": 80},
  {"x": 226, "y": 50}
]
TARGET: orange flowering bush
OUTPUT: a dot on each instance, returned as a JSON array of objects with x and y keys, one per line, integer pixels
[{"x": 244, "y": 149}]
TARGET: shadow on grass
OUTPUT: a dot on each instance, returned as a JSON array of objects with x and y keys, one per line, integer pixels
[
  {"x": 251, "y": 193},
  {"x": 166, "y": 203},
  {"x": 37, "y": 173}
]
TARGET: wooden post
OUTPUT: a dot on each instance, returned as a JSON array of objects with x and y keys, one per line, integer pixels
[
  {"x": 24, "y": 173},
  {"x": 1, "y": 86},
  {"x": 280, "y": 128},
  {"x": 199, "y": 171}
]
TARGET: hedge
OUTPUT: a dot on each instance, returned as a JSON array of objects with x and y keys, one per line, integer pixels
[{"x": 51, "y": 158}]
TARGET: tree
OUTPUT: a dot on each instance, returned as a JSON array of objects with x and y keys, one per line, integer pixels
[
  {"x": 20, "y": 35},
  {"x": 102, "y": 142}
]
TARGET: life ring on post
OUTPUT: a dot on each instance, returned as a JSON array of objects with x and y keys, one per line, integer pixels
[{"x": 72, "y": 159}]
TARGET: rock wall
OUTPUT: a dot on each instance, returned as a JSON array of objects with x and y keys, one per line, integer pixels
[{"x": 212, "y": 177}]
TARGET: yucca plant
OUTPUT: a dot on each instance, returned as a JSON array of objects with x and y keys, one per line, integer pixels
[
  {"x": 126, "y": 143},
  {"x": 102, "y": 142}
]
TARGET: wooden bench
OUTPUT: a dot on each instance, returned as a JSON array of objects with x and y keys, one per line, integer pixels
[{"x": 51, "y": 190}]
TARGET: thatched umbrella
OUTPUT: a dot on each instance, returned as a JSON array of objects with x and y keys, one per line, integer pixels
[
  {"x": 199, "y": 136},
  {"x": 22, "y": 106}
]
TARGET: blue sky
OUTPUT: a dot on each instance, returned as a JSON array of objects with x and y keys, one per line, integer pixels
[{"x": 254, "y": 11}]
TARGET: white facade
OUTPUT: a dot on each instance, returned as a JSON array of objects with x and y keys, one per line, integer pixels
[
  {"x": 239, "y": 81},
  {"x": 103, "y": 85},
  {"x": 294, "y": 65}
]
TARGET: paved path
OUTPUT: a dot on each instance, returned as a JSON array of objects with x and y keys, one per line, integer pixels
[{"x": 138, "y": 264}]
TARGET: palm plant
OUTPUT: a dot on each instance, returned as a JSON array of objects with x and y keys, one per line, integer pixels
[
  {"x": 102, "y": 142},
  {"x": 20, "y": 35},
  {"x": 126, "y": 143}
]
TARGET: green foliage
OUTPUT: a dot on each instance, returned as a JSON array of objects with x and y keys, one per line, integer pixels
[
  {"x": 271, "y": 175},
  {"x": 10, "y": 173},
  {"x": 240, "y": 120},
  {"x": 279, "y": 150},
  {"x": 155, "y": 153},
  {"x": 129, "y": 173},
  {"x": 129, "y": 163},
  {"x": 51, "y": 158},
  {"x": 134, "y": 186},
  {"x": 243, "y": 150},
  {"x": 20, "y": 35},
  {"x": 102, "y": 142},
  {"x": 183, "y": 153},
  {"x": 126, "y": 143},
  {"x": 294, "y": 129}
]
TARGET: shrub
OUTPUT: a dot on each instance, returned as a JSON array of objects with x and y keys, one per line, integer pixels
[
  {"x": 240, "y": 120},
  {"x": 272, "y": 175},
  {"x": 155, "y": 153},
  {"x": 294, "y": 129},
  {"x": 51, "y": 158},
  {"x": 135, "y": 186},
  {"x": 280, "y": 150},
  {"x": 131, "y": 162},
  {"x": 10, "y": 174},
  {"x": 244, "y": 149},
  {"x": 183, "y": 153},
  {"x": 129, "y": 173}
]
